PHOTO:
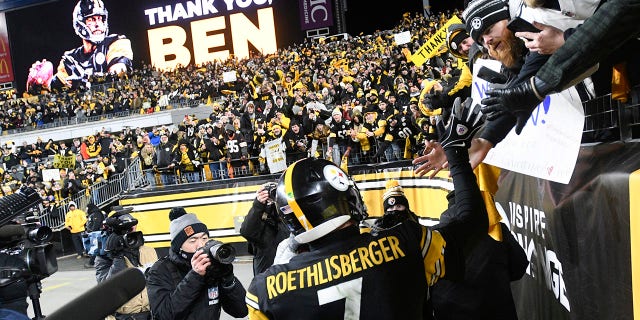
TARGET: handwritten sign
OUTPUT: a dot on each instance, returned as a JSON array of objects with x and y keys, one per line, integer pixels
[
  {"x": 548, "y": 146},
  {"x": 60, "y": 161},
  {"x": 276, "y": 158}
]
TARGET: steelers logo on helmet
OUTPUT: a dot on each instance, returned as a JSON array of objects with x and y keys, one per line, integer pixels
[
  {"x": 315, "y": 197},
  {"x": 336, "y": 177}
]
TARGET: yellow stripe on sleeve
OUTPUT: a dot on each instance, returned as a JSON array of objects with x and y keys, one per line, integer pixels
[{"x": 433, "y": 255}]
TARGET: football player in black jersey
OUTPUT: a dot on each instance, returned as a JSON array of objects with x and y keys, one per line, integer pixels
[
  {"x": 351, "y": 275},
  {"x": 101, "y": 53}
]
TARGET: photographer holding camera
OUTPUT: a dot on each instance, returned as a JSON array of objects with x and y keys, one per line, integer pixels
[
  {"x": 195, "y": 281},
  {"x": 263, "y": 228},
  {"x": 124, "y": 248}
]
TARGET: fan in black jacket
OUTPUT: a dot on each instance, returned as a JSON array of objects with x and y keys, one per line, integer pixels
[{"x": 263, "y": 229}]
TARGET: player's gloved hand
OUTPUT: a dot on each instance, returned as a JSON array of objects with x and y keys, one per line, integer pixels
[
  {"x": 77, "y": 71},
  {"x": 464, "y": 122},
  {"x": 114, "y": 245},
  {"x": 222, "y": 271},
  {"x": 519, "y": 100}
]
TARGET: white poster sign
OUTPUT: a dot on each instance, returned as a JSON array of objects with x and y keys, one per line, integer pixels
[
  {"x": 276, "y": 158},
  {"x": 229, "y": 76},
  {"x": 548, "y": 145},
  {"x": 402, "y": 38},
  {"x": 50, "y": 174}
]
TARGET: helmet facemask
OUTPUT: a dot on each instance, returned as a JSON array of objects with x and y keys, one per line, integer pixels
[{"x": 85, "y": 9}]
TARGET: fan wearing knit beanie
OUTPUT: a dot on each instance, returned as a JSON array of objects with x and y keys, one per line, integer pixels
[
  {"x": 480, "y": 15},
  {"x": 396, "y": 207},
  {"x": 486, "y": 22},
  {"x": 188, "y": 283},
  {"x": 458, "y": 41},
  {"x": 183, "y": 226}
]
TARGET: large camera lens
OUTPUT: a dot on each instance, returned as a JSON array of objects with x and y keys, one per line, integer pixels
[
  {"x": 133, "y": 239},
  {"x": 222, "y": 252},
  {"x": 40, "y": 234},
  {"x": 41, "y": 260}
]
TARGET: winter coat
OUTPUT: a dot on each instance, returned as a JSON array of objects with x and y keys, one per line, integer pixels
[
  {"x": 263, "y": 232},
  {"x": 178, "y": 292}
]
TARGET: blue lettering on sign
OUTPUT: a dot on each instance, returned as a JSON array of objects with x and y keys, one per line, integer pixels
[
  {"x": 482, "y": 88},
  {"x": 546, "y": 103},
  {"x": 536, "y": 117}
]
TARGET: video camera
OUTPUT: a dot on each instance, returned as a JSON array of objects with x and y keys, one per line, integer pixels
[
  {"x": 121, "y": 223},
  {"x": 21, "y": 235}
]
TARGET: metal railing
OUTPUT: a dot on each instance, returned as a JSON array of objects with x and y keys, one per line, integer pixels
[
  {"x": 100, "y": 194},
  {"x": 179, "y": 103},
  {"x": 607, "y": 119}
]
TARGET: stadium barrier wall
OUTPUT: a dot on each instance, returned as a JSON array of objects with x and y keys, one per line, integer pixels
[{"x": 581, "y": 238}]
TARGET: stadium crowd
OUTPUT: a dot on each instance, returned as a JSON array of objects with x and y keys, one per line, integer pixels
[
  {"x": 360, "y": 93},
  {"x": 353, "y": 100},
  {"x": 349, "y": 100}
]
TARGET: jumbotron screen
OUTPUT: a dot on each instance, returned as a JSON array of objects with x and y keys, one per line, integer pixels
[
  {"x": 169, "y": 33},
  {"x": 164, "y": 33}
]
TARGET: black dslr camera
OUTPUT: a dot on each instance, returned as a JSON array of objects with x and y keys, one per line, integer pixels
[
  {"x": 121, "y": 223},
  {"x": 221, "y": 252},
  {"x": 271, "y": 187},
  {"x": 22, "y": 235}
]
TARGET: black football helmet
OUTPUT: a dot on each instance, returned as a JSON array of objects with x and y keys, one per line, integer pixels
[
  {"x": 314, "y": 197},
  {"x": 85, "y": 9}
]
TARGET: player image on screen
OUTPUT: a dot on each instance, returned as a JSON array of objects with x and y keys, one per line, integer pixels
[{"x": 100, "y": 52}]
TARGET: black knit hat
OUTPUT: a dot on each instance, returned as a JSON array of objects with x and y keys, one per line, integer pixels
[
  {"x": 394, "y": 195},
  {"x": 481, "y": 14},
  {"x": 183, "y": 225},
  {"x": 456, "y": 33}
]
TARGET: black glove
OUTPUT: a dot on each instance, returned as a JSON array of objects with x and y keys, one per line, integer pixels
[
  {"x": 519, "y": 100},
  {"x": 114, "y": 245},
  {"x": 464, "y": 122},
  {"x": 434, "y": 99},
  {"x": 222, "y": 271}
]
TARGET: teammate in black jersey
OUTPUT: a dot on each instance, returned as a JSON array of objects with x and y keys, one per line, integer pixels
[{"x": 351, "y": 275}]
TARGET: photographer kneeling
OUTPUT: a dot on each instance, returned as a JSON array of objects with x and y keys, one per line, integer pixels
[
  {"x": 124, "y": 248},
  {"x": 195, "y": 281}
]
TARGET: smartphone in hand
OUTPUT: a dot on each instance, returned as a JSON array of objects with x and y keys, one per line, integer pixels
[{"x": 518, "y": 24}]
